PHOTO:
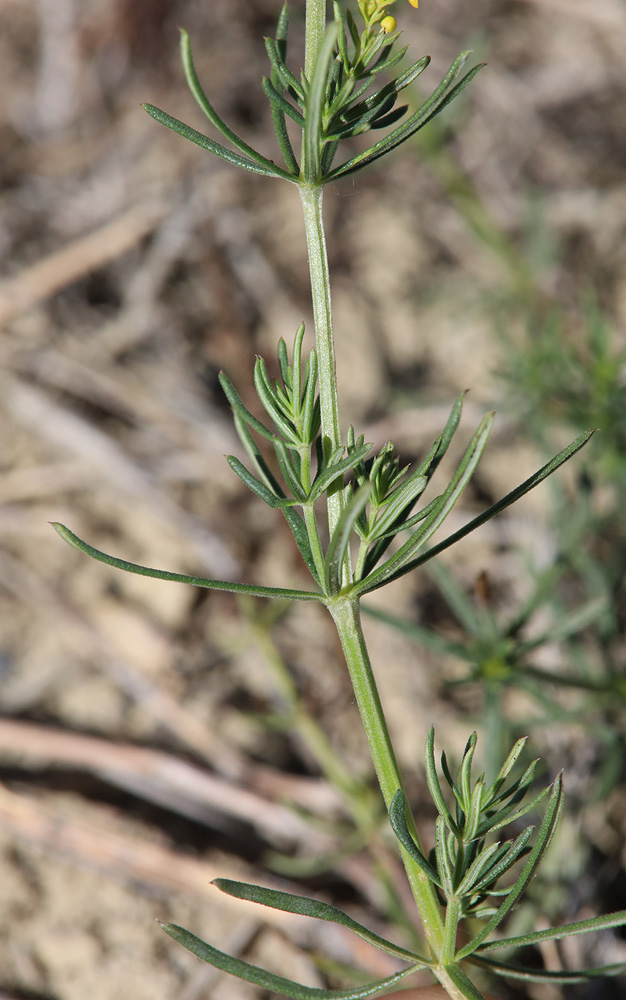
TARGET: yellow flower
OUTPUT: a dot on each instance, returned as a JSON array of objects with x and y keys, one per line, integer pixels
[
  {"x": 388, "y": 24},
  {"x": 414, "y": 3}
]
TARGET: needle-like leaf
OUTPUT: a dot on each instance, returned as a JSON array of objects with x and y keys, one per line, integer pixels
[
  {"x": 259, "y": 165},
  {"x": 399, "y": 825},
  {"x": 277, "y": 984},
  {"x": 303, "y": 905},
  {"x": 511, "y": 971},
  {"x": 194, "y": 581}
]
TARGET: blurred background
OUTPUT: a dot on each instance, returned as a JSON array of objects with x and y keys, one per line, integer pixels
[{"x": 153, "y": 737}]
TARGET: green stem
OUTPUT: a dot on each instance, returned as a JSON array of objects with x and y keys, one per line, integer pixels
[
  {"x": 320, "y": 291},
  {"x": 315, "y": 26},
  {"x": 347, "y": 617}
]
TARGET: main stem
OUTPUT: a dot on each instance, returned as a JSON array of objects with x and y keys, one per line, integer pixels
[
  {"x": 311, "y": 198},
  {"x": 315, "y": 26},
  {"x": 347, "y": 617}
]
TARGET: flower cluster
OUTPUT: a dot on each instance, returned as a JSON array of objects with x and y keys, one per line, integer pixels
[{"x": 374, "y": 12}]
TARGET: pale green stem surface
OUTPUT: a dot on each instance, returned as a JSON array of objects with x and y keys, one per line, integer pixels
[
  {"x": 320, "y": 291},
  {"x": 347, "y": 617},
  {"x": 315, "y": 27}
]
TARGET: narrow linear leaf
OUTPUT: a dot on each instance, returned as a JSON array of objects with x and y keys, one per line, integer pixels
[
  {"x": 256, "y": 486},
  {"x": 281, "y": 102},
  {"x": 238, "y": 407},
  {"x": 263, "y": 470},
  {"x": 506, "y": 769},
  {"x": 434, "y": 787},
  {"x": 295, "y": 522},
  {"x": 296, "y": 371},
  {"x": 301, "y": 536},
  {"x": 444, "y": 861},
  {"x": 411, "y": 74},
  {"x": 496, "y": 508},
  {"x": 511, "y": 971},
  {"x": 205, "y": 105},
  {"x": 340, "y": 540},
  {"x": 464, "y": 983},
  {"x": 194, "y": 581},
  {"x": 257, "y": 166},
  {"x": 303, "y": 905},
  {"x": 478, "y": 867},
  {"x": 332, "y": 472},
  {"x": 505, "y": 817},
  {"x": 505, "y": 862},
  {"x": 399, "y": 825},
  {"x": 287, "y": 79},
  {"x": 283, "y": 362},
  {"x": 391, "y": 118},
  {"x": 385, "y": 63},
  {"x": 272, "y": 404},
  {"x": 602, "y": 923},
  {"x": 290, "y": 475},
  {"x": 267, "y": 980},
  {"x": 342, "y": 30}
]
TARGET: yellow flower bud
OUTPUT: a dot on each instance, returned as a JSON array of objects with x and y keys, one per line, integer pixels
[
  {"x": 414, "y": 3},
  {"x": 388, "y": 24}
]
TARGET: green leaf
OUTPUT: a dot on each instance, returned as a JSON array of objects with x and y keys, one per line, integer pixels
[
  {"x": 256, "y": 486},
  {"x": 194, "y": 581},
  {"x": 434, "y": 787},
  {"x": 506, "y": 816},
  {"x": 402, "y": 497},
  {"x": 602, "y": 923},
  {"x": 290, "y": 474},
  {"x": 314, "y": 109},
  {"x": 287, "y": 79},
  {"x": 544, "y": 837},
  {"x": 399, "y": 825},
  {"x": 340, "y": 540},
  {"x": 469, "y": 882},
  {"x": 202, "y": 100},
  {"x": 331, "y": 472},
  {"x": 506, "y": 861},
  {"x": 267, "y": 980},
  {"x": 411, "y": 74},
  {"x": 435, "y": 103},
  {"x": 280, "y": 102},
  {"x": 291, "y": 903},
  {"x": 495, "y": 508},
  {"x": 506, "y": 769},
  {"x": 444, "y": 861},
  {"x": 257, "y": 166},
  {"x": 272, "y": 404},
  {"x": 464, "y": 983},
  {"x": 395, "y": 566},
  {"x": 237, "y": 406},
  {"x": 511, "y": 971}
]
